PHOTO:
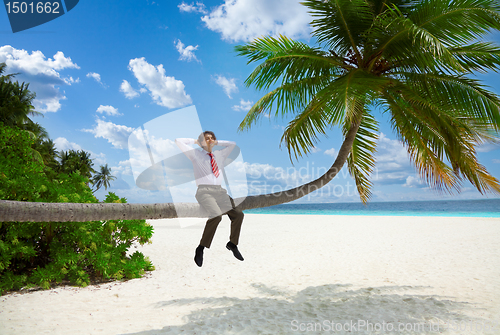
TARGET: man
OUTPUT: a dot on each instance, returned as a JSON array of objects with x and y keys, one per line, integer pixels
[{"x": 210, "y": 194}]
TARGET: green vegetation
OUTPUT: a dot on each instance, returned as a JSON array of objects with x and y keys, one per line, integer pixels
[
  {"x": 103, "y": 177},
  {"x": 41, "y": 254}
]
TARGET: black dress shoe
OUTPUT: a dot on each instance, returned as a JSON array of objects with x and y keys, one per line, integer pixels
[
  {"x": 198, "y": 256},
  {"x": 231, "y": 246}
]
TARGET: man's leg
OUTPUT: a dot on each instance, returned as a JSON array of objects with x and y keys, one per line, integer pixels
[
  {"x": 236, "y": 217},
  {"x": 209, "y": 232},
  {"x": 209, "y": 203}
]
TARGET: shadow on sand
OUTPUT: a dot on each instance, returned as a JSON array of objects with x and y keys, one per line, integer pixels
[{"x": 312, "y": 311}]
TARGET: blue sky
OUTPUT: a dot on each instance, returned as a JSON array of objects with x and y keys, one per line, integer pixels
[{"x": 108, "y": 67}]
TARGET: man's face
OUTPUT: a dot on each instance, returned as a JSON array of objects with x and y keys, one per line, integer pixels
[{"x": 209, "y": 141}]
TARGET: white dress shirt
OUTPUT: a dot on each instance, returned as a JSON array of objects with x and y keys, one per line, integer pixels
[{"x": 200, "y": 158}]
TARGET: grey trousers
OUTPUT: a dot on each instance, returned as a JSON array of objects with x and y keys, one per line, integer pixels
[{"x": 215, "y": 200}]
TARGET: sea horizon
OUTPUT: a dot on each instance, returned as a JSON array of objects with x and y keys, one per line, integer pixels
[{"x": 451, "y": 207}]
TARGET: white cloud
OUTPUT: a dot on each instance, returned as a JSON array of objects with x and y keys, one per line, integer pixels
[
  {"x": 412, "y": 181},
  {"x": 487, "y": 147},
  {"x": 315, "y": 150},
  {"x": 115, "y": 134},
  {"x": 98, "y": 159},
  {"x": 244, "y": 106},
  {"x": 198, "y": 8},
  {"x": 41, "y": 73},
  {"x": 228, "y": 85},
  {"x": 146, "y": 149},
  {"x": 127, "y": 89},
  {"x": 392, "y": 165},
  {"x": 165, "y": 91},
  {"x": 391, "y": 154},
  {"x": 330, "y": 152},
  {"x": 123, "y": 168},
  {"x": 266, "y": 178},
  {"x": 109, "y": 110},
  {"x": 70, "y": 80},
  {"x": 96, "y": 76},
  {"x": 289, "y": 175},
  {"x": 186, "y": 53},
  {"x": 496, "y": 161},
  {"x": 62, "y": 144},
  {"x": 244, "y": 20}
]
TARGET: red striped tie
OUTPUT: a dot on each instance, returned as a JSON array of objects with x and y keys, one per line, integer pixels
[{"x": 215, "y": 168}]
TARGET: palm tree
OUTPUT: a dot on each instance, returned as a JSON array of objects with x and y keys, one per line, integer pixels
[
  {"x": 103, "y": 178},
  {"x": 39, "y": 134},
  {"x": 73, "y": 161},
  {"x": 16, "y": 101},
  {"x": 16, "y": 107},
  {"x": 85, "y": 164},
  {"x": 47, "y": 149},
  {"x": 413, "y": 59}
]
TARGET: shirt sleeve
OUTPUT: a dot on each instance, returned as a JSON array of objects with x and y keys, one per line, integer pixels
[
  {"x": 185, "y": 145},
  {"x": 229, "y": 146}
]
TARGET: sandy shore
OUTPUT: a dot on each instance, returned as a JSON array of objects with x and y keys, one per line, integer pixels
[{"x": 302, "y": 274}]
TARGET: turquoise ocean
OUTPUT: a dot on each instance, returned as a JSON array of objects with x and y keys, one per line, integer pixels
[{"x": 460, "y": 208}]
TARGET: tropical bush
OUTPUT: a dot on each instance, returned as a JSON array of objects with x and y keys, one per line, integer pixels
[{"x": 41, "y": 254}]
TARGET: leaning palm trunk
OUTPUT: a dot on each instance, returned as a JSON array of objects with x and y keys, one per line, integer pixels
[
  {"x": 277, "y": 198},
  {"x": 73, "y": 212}
]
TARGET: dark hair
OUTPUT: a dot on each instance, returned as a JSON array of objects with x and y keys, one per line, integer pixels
[{"x": 202, "y": 135}]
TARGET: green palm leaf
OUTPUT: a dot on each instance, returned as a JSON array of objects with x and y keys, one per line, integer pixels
[
  {"x": 478, "y": 56},
  {"x": 361, "y": 160},
  {"x": 286, "y": 60},
  {"x": 335, "y": 104},
  {"x": 465, "y": 97},
  {"x": 457, "y": 21},
  {"x": 340, "y": 24}
]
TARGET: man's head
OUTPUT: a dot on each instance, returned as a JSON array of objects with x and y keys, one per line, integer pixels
[
  {"x": 203, "y": 136},
  {"x": 207, "y": 140}
]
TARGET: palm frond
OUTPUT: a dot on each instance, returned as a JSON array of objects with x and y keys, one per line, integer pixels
[
  {"x": 424, "y": 147},
  {"x": 434, "y": 138},
  {"x": 380, "y": 6},
  {"x": 285, "y": 99},
  {"x": 361, "y": 160},
  {"x": 287, "y": 60},
  {"x": 426, "y": 39},
  {"x": 456, "y": 21},
  {"x": 480, "y": 56},
  {"x": 302, "y": 132},
  {"x": 340, "y": 24},
  {"x": 341, "y": 101},
  {"x": 464, "y": 96},
  {"x": 401, "y": 41}
]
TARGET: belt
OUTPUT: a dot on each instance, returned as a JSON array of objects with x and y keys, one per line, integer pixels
[{"x": 209, "y": 186}]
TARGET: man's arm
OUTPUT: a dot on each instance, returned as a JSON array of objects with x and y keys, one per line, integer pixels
[
  {"x": 229, "y": 146},
  {"x": 185, "y": 145}
]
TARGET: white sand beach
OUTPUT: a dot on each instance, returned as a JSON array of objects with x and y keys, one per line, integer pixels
[{"x": 302, "y": 274}]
